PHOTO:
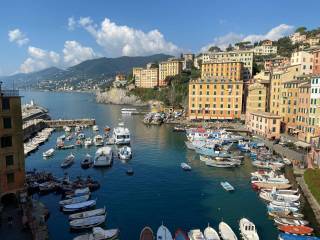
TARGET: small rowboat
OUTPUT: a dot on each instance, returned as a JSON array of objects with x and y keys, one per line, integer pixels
[
  {"x": 163, "y": 233},
  {"x": 74, "y": 200},
  {"x": 291, "y": 222},
  {"x": 88, "y": 222},
  {"x": 285, "y": 236},
  {"x": 79, "y": 206},
  {"x": 99, "y": 234},
  {"x": 146, "y": 234},
  {"x": 95, "y": 212},
  {"x": 185, "y": 166},
  {"x": 210, "y": 234},
  {"x": 78, "y": 192},
  {"x": 298, "y": 230},
  {"x": 227, "y": 186},
  {"x": 226, "y": 232},
  {"x": 180, "y": 235},
  {"x": 68, "y": 161}
]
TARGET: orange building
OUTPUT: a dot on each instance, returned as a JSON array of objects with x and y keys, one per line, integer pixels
[
  {"x": 229, "y": 70},
  {"x": 316, "y": 61}
]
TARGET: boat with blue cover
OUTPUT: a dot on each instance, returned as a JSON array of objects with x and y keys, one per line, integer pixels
[
  {"x": 227, "y": 186},
  {"x": 286, "y": 236}
]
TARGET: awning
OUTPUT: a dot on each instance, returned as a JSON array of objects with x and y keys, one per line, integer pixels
[{"x": 302, "y": 144}]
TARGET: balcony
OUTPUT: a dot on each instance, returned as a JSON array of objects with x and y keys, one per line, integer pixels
[{"x": 9, "y": 93}]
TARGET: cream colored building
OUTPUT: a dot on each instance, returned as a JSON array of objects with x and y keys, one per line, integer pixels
[
  {"x": 297, "y": 37},
  {"x": 264, "y": 124},
  {"x": 244, "y": 56},
  {"x": 257, "y": 98},
  {"x": 146, "y": 77},
  {"x": 305, "y": 59},
  {"x": 267, "y": 48},
  {"x": 169, "y": 68},
  {"x": 215, "y": 98}
]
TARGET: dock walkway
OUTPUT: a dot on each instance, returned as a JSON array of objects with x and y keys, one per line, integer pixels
[{"x": 70, "y": 123}]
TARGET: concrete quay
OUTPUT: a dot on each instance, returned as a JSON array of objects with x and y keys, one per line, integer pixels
[{"x": 70, "y": 123}]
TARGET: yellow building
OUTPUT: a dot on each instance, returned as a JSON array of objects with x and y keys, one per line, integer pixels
[
  {"x": 146, "y": 77},
  {"x": 215, "y": 98},
  {"x": 244, "y": 56},
  {"x": 12, "y": 175},
  {"x": 257, "y": 98},
  {"x": 169, "y": 68},
  {"x": 230, "y": 70}
]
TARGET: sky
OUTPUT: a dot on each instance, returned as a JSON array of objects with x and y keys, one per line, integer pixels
[{"x": 42, "y": 33}]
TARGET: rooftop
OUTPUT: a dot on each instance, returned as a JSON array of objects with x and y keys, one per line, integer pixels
[
  {"x": 9, "y": 93},
  {"x": 265, "y": 114}
]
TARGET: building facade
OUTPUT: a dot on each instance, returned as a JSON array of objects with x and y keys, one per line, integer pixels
[
  {"x": 169, "y": 68},
  {"x": 305, "y": 59},
  {"x": 316, "y": 61},
  {"x": 297, "y": 37},
  {"x": 244, "y": 56},
  {"x": 314, "y": 114},
  {"x": 264, "y": 124},
  {"x": 146, "y": 77},
  {"x": 212, "y": 99},
  {"x": 266, "y": 48},
  {"x": 188, "y": 61},
  {"x": 12, "y": 168},
  {"x": 230, "y": 70},
  {"x": 257, "y": 98}
]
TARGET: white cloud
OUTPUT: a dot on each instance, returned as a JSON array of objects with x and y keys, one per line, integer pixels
[
  {"x": 74, "y": 53},
  {"x": 18, "y": 37},
  {"x": 71, "y": 23},
  {"x": 231, "y": 38},
  {"x": 119, "y": 40},
  {"x": 39, "y": 59}
]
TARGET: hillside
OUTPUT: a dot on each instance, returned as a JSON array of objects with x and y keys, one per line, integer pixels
[{"x": 87, "y": 74}]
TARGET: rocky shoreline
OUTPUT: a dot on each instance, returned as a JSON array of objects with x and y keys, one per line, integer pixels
[{"x": 119, "y": 97}]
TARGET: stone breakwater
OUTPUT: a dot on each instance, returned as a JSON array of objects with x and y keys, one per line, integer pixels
[{"x": 119, "y": 96}]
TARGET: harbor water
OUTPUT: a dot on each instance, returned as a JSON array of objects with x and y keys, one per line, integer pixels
[{"x": 159, "y": 190}]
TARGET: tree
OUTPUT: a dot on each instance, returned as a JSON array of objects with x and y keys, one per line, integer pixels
[
  {"x": 229, "y": 48},
  {"x": 285, "y": 47},
  {"x": 301, "y": 30},
  {"x": 214, "y": 49}
]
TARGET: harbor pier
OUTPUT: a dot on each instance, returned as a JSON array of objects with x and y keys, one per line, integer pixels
[
  {"x": 70, "y": 123},
  {"x": 32, "y": 127}
]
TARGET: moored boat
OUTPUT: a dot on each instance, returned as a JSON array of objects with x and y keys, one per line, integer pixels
[
  {"x": 74, "y": 200},
  {"x": 195, "y": 234},
  {"x": 291, "y": 222},
  {"x": 86, "y": 214},
  {"x": 146, "y": 234},
  {"x": 226, "y": 232},
  {"x": 48, "y": 153},
  {"x": 298, "y": 230},
  {"x": 180, "y": 235},
  {"x": 125, "y": 153},
  {"x": 248, "y": 230},
  {"x": 99, "y": 233},
  {"x": 163, "y": 233},
  {"x": 88, "y": 222},
  {"x": 210, "y": 234},
  {"x": 185, "y": 166},
  {"x": 227, "y": 186},
  {"x": 79, "y": 206},
  {"x": 87, "y": 161},
  {"x": 98, "y": 140},
  {"x": 68, "y": 161},
  {"x": 286, "y": 236},
  {"x": 103, "y": 157}
]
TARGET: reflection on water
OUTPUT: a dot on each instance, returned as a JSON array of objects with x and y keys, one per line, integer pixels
[{"x": 159, "y": 191}]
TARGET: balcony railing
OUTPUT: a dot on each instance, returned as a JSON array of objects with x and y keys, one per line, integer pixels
[{"x": 9, "y": 93}]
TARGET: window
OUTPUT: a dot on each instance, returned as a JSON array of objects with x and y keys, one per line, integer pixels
[
  {"x": 6, "y": 141},
  {"x": 7, "y": 122},
  {"x": 10, "y": 178},
  {"x": 273, "y": 129},
  {"x": 9, "y": 160},
  {"x": 5, "y": 104}
]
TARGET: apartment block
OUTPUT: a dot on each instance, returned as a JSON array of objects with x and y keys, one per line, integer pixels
[
  {"x": 314, "y": 114},
  {"x": 244, "y": 56},
  {"x": 266, "y": 48},
  {"x": 257, "y": 99},
  {"x": 12, "y": 173},
  {"x": 316, "y": 61},
  {"x": 188, "y": 61},
  {"x": 211, "y": 99},
  {"x": 230, "y": 70},
  {"x": 305, "y": 59},
  {"x": 169, "y": 68},
  {"x": 146, "y": 77},
  {"x": 297, "y": 37},
  {"x": 264, "y": 124}
]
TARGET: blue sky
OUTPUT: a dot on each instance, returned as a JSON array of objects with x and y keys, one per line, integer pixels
[{"x": 40, "y": 35}]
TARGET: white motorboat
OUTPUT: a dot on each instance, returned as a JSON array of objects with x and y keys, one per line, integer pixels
[
  {"x": 222, "y": 164},
  {"x": 79, "y": 192},
  {"x": 128, "y": 111},
  {"x": 121, "y": 135},
  {"x": 163, "y": 233},
  {"x": 269, "y": 197},
  {"x": 87, "y": 161},
  {"x": 98, "y": 140},
  {"x": 196, "y": 234},
  {"x": 86, "y": 214},
  {"x": 75, "y": 200},
  {"x": 227, "y": 186},
  {"x": 211, "y": 234},
  {"x": 226, "y": 232},
  {"x": 103, "y": 157},
  {"x": 99, "y": 234},
  {"x": 81, "y": 136},
  {"x": 48, "y": 153},
  {"x": 125, "y": 153},
  {"x": 248, "y": 230},
  {"x": 290, "y": 222},
  {"x": 88, "y": 222},
  {"x": 79, "y": 206},
  {"x": 286, "y": 204},
  {"x": 67, "y": 129},
  {"x": 95, "y": 128},
  {"x": 88, "y": 142},
  {"x": 68, "y": 161},
  {"x": 282, "y": 191},
  {"x": 185, "y": 166}
]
